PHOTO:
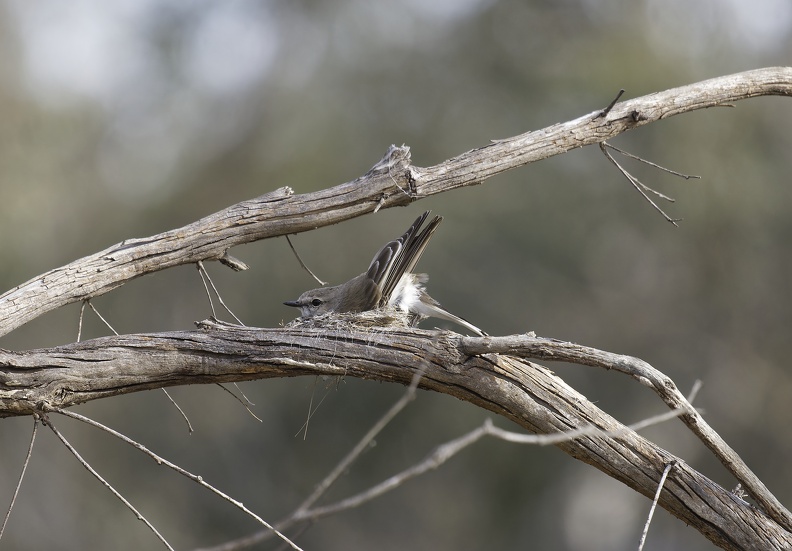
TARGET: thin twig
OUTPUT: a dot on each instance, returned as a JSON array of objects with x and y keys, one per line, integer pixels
[
  {"x": 21, "y": 475},
  {"x": 364, "y": 442},
  {"x": 205, "y": 277},
  {"x": 107, "y": 485},
  {"x": 180, "y": 470},
  {"x": 296, "y": 535},
  {"x": 435, "y": 459},
  {"x": 654, "y": 503},
  {"x": 301, "y": 512},
  {"x": 79, "y": 323},
  {"x": 438, "y": 457},
  {"x": 244, "y": 396},
  {"x": 184, "y": 415},
  {"x": 446, "y": 451},
  {"x": 591, "y": 430},
  {"x": 300, "y": 260},
  {"x": 607, "y": 110},
  {"x": 181, "y": 411},
  {"x": 532, "y": 347},
  {"x": 311, "y": 409},
  {"x": 199, "y": 266},
  {"x": 639, "y": 186},
  {"x": 95, "y": 311},
  {"x": 650, "y": 163},
  {"x": 241, "y": 401}
]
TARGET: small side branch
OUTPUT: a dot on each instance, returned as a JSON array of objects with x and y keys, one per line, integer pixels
[
  {"x": 362, "y": 445},
  {"x": 106, "y": 484},
  {"x": 173, "y": 466},
  {"x": 21, "y": 475},
  {"x": 436, "y": 459},
  {"x": 463, "y": 367},
  {"x": 654, "y": 504},
  {"x": 654, "y": 165},
  {"x": 604, "y": 112},
  {"x": 639, "y": 186},
  {"x": 392, "y": 182},
  {"x": 302, "y": 264},
  {"x": 532, "y": 347},
  {"x": 207, "y": 281}
]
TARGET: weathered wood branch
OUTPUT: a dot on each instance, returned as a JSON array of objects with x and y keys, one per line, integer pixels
[
  {"x": 531, "y": 347},
  {"x": 391, "y": 182},
  {"x": 50, "y": 379},
  {"x": 528, "y": 394}
]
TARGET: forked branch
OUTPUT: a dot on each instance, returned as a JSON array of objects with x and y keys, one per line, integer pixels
[
  {"x": 36, "y": 382},
  {"x": 393, "y": 181},
  {"x": 523, "y": 392}
]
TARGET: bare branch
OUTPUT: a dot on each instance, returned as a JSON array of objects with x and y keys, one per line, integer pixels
[
  {"x": 80, "y": 322},
  {"x": 391, "y": 182},
  {"x": 106, "y": 484},
  {"x": 604, "y": 112},
  {"x": 21, "y": 475},
  {"x": 529, "y": 346},
  {"x": 361, "y": 446},
  {"x": 650, "y": 163},
  {"x": 639, "y": 186},
  {"x": 233, "y": 263},
  {"x": 446, "y": 451},
  {"x": 181, "y": 411},
  {"x": 172, "y": 401},
  {"x": 107, "y": 323},
  {"x": 654, "y": 503},
  {"x": 311, "y": 409},
  {"x": 241, "y": 401},
  {"x": 440, "y": 455},
  {"x": 463, "y": 367},
  {"x": 302, "y": 264},
  {"x": 204, "y": 278},
  {"x": 162, "y": 461},
  {"x": 42, "y": 380}
]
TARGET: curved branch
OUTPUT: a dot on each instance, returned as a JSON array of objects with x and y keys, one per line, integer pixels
[
  {"x": 529, "y": 346},
  {"x": 391, "y": 182},
  {"x": 523, "y": 392}
]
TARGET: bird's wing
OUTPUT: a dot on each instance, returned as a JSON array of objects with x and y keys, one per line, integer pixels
[
  {"x": 381, "y": 269},
  {"x": 413, "y": 242}
]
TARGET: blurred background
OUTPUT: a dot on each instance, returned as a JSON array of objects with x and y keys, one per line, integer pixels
[{"x": 128, "y": 118}]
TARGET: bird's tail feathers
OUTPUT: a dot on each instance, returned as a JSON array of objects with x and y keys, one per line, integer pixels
[{"x": 430, "y": 308}]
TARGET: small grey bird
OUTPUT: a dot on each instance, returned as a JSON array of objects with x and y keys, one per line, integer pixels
[{"x": 389, "y": 281}]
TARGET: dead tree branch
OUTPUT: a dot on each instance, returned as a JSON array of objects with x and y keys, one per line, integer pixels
[
  {"x": 393, "y": 181},
  {"x": 526, "y": 393},
  {"x": 36, "y": 382},
  {"x": 528, "y": 346}
]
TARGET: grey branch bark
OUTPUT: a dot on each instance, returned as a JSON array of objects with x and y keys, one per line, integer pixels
[
  {"x": 528, "y": 394},
  {"x": 394, "y": 181},
  {"x": 41, "y": 380}
]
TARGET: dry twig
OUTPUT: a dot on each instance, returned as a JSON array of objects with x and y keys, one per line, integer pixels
[
  {"x": 161, "y": 461},
  {"x": 21, "y": 475},
  {"x": 104, "y": 482}
]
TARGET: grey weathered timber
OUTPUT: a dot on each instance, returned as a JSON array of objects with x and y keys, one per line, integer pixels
[
  {"x": 528, "y": 394},
  {"x": 393, "y": 181},
  {"x": 38, "y": 381}
]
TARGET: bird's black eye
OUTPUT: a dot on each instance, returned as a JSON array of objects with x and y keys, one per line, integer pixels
[{"x": 316, "y": 302}]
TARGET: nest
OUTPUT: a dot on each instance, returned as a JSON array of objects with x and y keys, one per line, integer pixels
[{"x": 379, "y": 318}]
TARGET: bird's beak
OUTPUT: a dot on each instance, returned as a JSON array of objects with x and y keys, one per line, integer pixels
[{"x": 294, "y": 303}]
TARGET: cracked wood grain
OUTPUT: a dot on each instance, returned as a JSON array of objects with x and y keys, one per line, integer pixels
[
  {"x": 40, "y": 380},
  {"x": 526, "y": 393},
  {"x": 393, "y": 181}
]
